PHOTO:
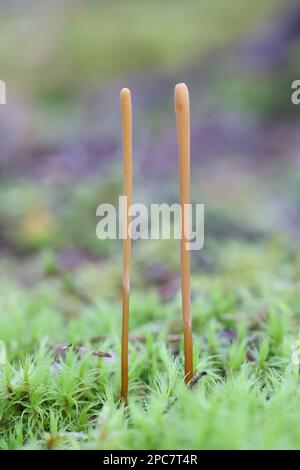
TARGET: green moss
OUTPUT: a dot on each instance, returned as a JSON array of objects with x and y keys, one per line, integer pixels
[{"x": 243, "y": 334}]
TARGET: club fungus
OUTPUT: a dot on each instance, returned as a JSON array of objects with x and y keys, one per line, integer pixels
[
  {"x": 126, "y": 117},
  {"x": 182, "y": 111}
]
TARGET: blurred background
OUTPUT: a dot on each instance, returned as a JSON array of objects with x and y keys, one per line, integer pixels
[{"x": 64, "y": 63}]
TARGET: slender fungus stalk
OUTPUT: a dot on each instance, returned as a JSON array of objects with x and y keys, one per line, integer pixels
[
  {"x": 182, "y": 110},
  {"x": 126, "y": 117}
]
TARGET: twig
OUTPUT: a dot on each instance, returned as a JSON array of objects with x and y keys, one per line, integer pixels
[
  {"x": 61, "y": 349},
  {"x": 196, "y": 378}
]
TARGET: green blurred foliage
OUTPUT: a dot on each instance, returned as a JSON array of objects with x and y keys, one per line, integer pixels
[{"x": 70, "y": 47}]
